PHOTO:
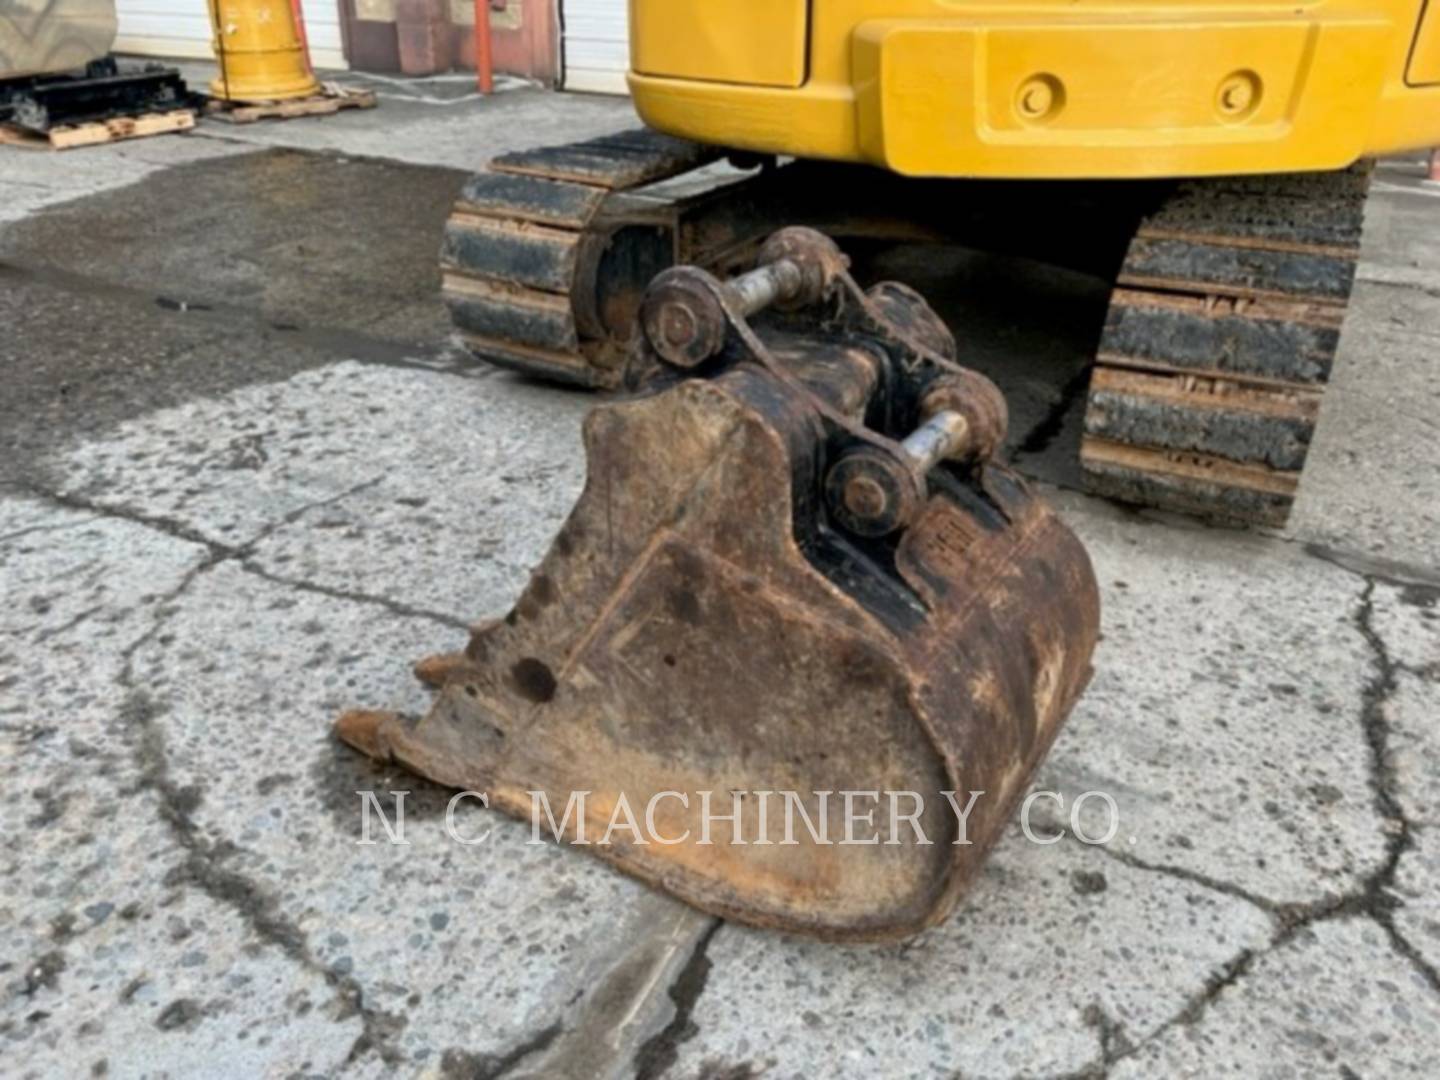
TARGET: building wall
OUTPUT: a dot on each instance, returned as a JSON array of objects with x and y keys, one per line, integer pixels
[
  {"x": 181, "y": 28},
  {"x": 596, "y": 45},
  {"x": 582, "y": 43},
  {"x": 524, "y": 35}
]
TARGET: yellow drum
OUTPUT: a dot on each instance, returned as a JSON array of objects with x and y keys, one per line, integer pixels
[{"x": 260, "y": 53}]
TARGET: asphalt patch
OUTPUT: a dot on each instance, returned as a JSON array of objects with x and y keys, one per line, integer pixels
[{"x": 210, "y": 276}]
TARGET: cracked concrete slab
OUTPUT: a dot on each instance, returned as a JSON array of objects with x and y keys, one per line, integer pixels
[
  {"x": 1369, "y": 485},
  {"x": 165, "y": 984},
  {"x": 1417, "y": 885},
  {"x": 1407, "y": 617},
  {"x": 1335, "y": 1001},
  {"x": 268, "y": 786},
  {"x": 1225, "y": 714},
  {"x": 218, "y": 842},
  {"x": 78, "y": 590},
  {"x": 422, "y": 488},
  {"x": 109, "y": 964},
  {"x": 1058, "y": 955},
  {"x": 1411, "y": 712},
  {"x": 250, "y": 676},
  {"x": 1405, "y": 620}
]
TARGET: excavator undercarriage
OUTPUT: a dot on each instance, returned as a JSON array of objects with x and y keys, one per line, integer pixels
[{"x": 1228, "y": 297}]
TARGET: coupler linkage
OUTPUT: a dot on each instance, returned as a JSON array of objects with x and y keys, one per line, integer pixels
[{"x": 876, "y": 485}]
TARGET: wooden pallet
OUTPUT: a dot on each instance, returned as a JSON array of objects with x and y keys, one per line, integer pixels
[
  {"x": 96, "y": 132},
  {"x": 331, "y": 99}
]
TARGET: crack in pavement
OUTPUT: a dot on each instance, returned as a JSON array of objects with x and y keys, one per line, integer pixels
[
  {"x": 242, "y": 554},
  {"x": 1381, "y": 900},
  {"x": 1369, "y": 568},
  {"x": 220, "y": 550},
  {"x": 1195, "y": 877},
  {"x": 176, "y": 530},
  {"x": 1396, "y": 572},
  {"x": 590, "y": 1038},
  {"x": 18, "y": 533},
  {"x": 395, "y": 607},
  {"x": 1114, "y": 1042},
  {"x": 597, "y": 1032},
  {"x": 659, "y": 1053},
  {"x": 69, "y": 624},
  {"x": 204, "y": 866},
  {"x": 1374, "y": 899},
  {"x": 460, "y": 1065}
]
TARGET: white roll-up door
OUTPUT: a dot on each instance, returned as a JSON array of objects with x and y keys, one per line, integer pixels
[
  {"x": 181, "y": 29},
  {"x": 597, "y": 45}
]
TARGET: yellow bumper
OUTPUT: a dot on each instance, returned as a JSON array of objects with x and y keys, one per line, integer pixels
[{"x": 1063, "y": 93}]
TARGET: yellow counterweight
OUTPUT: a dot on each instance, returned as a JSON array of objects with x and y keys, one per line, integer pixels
[{"x": 1022, "y": 89}]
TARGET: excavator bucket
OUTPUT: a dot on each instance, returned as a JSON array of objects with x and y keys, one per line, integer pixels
[{"x": 803, "y": 642}]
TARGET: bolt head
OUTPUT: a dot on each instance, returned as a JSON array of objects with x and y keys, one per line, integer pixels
[
  {"x": 864, "y": 497},
  {"x": 677, "y": 325},
  {"x": 872, "y": 494},
  {"x": 1238, "y": 95},
  {"x": 681, "y": 317}
]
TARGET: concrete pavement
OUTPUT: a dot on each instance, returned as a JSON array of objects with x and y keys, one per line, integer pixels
[{"x": 247, "y": 479}]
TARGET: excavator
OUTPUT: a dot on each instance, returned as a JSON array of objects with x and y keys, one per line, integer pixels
[{"x": 799, "y": 561}]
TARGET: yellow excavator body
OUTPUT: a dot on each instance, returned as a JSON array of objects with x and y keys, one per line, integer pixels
[{"x": 1087, "y": 89}]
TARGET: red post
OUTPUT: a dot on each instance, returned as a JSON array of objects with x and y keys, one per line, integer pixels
[
  {"x": 484, "y": 54},
  {"x": 1435, "y": 165}
]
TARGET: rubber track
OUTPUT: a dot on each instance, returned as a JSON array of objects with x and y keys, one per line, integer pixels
[
  {"x": 512, "y": 261},
  {"x": 1219, "y": 342}
]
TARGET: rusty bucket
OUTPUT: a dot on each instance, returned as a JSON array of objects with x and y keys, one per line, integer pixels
[{"x": 799, "y": 618}]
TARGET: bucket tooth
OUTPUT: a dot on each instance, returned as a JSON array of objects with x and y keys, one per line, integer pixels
[
  {"x": 369, "y": 731},
  {"x": 436, "y": 671},
  {"x": 796, "y": 571}
]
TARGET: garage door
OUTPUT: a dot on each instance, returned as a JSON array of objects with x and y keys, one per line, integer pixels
[
  {"x": 597, "y": 45},
  {"x": 181, "y": 28}
]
